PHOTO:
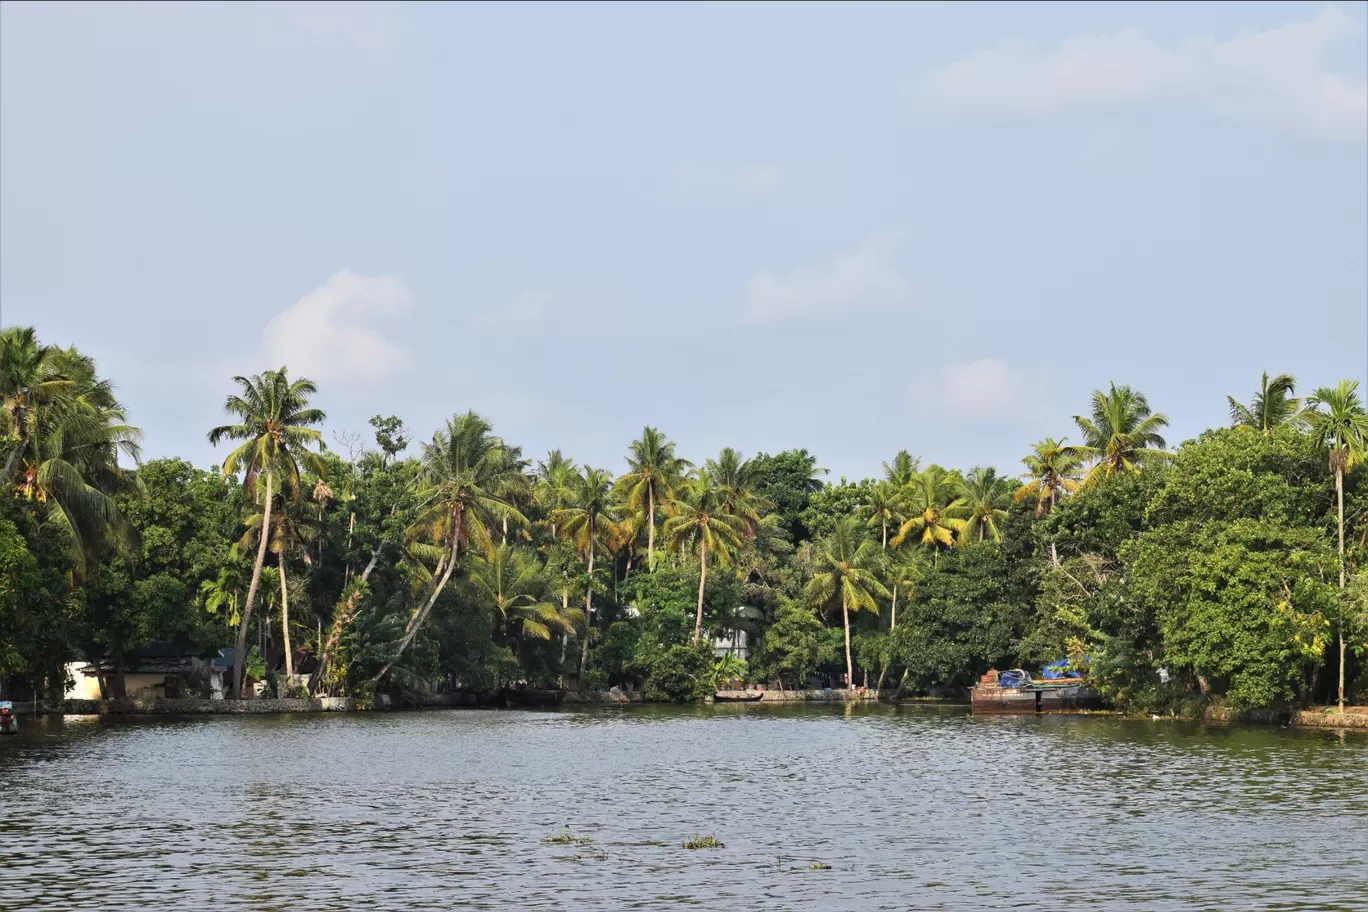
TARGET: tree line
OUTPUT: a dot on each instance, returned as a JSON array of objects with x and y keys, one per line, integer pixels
[{"x": 1226, "y": 569}]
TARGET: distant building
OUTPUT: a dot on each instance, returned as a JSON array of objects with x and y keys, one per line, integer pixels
[{"x": 156, "y": 670}]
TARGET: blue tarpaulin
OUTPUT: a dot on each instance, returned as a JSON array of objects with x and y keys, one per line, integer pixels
[
  {"x": 1061, "y": 669},
  {"x": 1014, "y": 678}
]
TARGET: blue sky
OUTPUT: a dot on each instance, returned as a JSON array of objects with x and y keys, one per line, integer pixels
[{"x": 849, "y": 228}]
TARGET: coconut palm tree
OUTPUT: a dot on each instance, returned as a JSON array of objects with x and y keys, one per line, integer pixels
[
  {"x": 846, "y": 569},
  {"x": 1122, "y": 434},
  {"x": 903, "y": 470},
  {"x": 1338, "y": 422},
  {"x": 510, "y": 581},
  {"x": 1272, "y": 405},
  {"x": 700, "y": 519},
  {"x": 462, "y": 469},
  {"x": 936, "y": 513},
  {"x": 292, "y": 531},
  {"x": 903, "y": 569},
  {"x": 1052, "y": 470},
  {"x": 654, "y": 472},
  {"x": 734, "y": 479},
  {"x": 587, "y": 522},
  {"x": 515, "y": 485},
  {"x": 883, "y": 507},
  {"x": 275, "y": 427},
  {"x": 71, "y": 431},
  {"x": 985, "y": 496}
]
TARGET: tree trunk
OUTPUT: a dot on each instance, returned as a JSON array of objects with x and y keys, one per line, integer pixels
[
  {"x": 893, "y": 615},
  {"x": 240, "y": 657},
  {"x": 702, "y": 581},
  {"x": 588, "y": 614},
  {"x": 850, "y": 666},
  {"x": 120, "y": 682},
  {"x": 343, "y": 618},
  {"x": 884, "y": 523},
  {"x": 565, "y": 637},
  {"x": 1339, "y": 495},
  {"x": 650, "y": 528},
  {"x": 416, "y": 621},
  {"x": 285, "y": 623},
  {"x": 16, "y": 454},
  {"x": 1054, "y": 556}
]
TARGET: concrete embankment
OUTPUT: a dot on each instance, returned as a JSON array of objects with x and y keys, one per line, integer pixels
[{"x": 1320, "y": 717}]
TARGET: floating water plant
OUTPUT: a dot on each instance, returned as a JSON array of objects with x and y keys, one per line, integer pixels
[
  {"x": 702, "y": 842},
  {"x": 819, "y": 866},
  {"x": 565, "y": 837}
]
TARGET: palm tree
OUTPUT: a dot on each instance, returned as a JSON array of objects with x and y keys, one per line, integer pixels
[
  {"x": 883, "y": 507},
  {"x": 1122, "y": 435},
  {"x": 985, "y": 495},
  {"x": 846, "y": 567},
  {"x": 702, "y": 520},
  {"x": 936, "y": 513},
  {"x": 462, "y": 468},
  {"x": 903, "y": 470},
  {"x": 510, "y": 580},
  {"x": 587, "y": 522},
  {"x": 287, "y": 533},
  {"x": 1339, "y": 423},
  {"x": 1051, "y": 470},
  {"x": 275, "y": 430},
  {"x": 904, "y": 568},
  {"x": 654, "y": 473},
  {"x": 514, "y": 486},
  {"x": 734, "y": 479},
  {"x": 1271, "y": 406},
  {"x": 71, "y": 431}
]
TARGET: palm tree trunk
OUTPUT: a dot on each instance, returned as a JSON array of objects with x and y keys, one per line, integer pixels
[
  {"x": 850, "y": 666},
  {"x": 565, "y": 637},
  {"x": 416, "y": 621},
  {"x": 650, "y": 528},
  {"x": 285, "y": 622},
  {"x": 588, "y": 612},
  {"x": 240, "y": 657},
  {"x": 343, "y": 618},
  {"x": 884, "y": 523},
  {"x": 893, "y": 618},
  {"x": 702, "y": 581},
  {"x": 1339, "y": 494}
]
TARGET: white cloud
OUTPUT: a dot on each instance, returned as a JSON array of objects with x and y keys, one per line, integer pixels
[
  {"x": 749, "y": 179},
  {"x": 330, "y": 334},
  {"x": 1275, "y": 77},
  {"x": 860, "y": 279},
  {"x": 985, "y": 389}
]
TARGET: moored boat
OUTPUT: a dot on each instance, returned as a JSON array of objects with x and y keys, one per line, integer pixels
[{"x": 738, "y": 696}]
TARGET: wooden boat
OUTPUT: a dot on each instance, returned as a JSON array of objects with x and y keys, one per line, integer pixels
[
  {"x": 1033, "y": 696},
  {"x": 738, "y": 696},
  {"x": 512, "y": 696}
]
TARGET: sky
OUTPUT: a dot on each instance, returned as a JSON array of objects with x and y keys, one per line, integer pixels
[{"x": 850, "y": 228}]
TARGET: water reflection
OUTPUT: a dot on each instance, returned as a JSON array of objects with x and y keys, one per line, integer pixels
[{"x": 910, "y": 808}]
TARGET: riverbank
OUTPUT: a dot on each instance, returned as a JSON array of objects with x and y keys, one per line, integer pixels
[{"x": 1316, "y": 717}]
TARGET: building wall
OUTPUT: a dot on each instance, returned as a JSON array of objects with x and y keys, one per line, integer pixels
[{"x": 87, "y": 687}]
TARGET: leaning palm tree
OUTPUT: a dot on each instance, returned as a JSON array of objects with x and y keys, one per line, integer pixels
[
  {"x": 846, "y": 569},
  {"x": 1052, "y": 470},
  {"x": 462, "y": 469},
  {"x": 653, "y": 474},
  {"x": 1121, "y": 435},
  {"x": 587, "y": 522},
  {"x": 276, "y": 432},
  {"x": 1338, "y": 422},
  {"x": 986, "y": 497},
  {"x": 935, "y": 511},
  {"x": 510, "y": 581},
  {"x": 701, "y": 520},
  {"x": 1272, "y": 405},
  {"x": 883, "y": 507}
]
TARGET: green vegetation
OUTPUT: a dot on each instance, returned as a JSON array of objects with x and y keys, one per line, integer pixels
[
  {"x": 703, "y": 842},
  {"x": 1230, "y": 568}
]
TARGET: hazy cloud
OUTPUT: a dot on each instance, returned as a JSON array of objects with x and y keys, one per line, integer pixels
[
  {"x": 750, "y": 179},
  {"x": 1276, "y": 76},
  {"x": 333, "y": 333},
  {"x": 859, "y": 279},
  {"x": 984, "y": 389}
]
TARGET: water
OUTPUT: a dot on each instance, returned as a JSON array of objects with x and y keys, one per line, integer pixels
[{"x": 911, "y": 809}]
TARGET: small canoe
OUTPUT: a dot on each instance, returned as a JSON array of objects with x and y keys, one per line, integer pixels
[
  {"x": 510, "y": 696},
  {"x": 737, "y": 696}
]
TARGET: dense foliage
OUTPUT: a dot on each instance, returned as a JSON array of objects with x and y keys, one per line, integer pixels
[{"x": 1225, "y": 569}]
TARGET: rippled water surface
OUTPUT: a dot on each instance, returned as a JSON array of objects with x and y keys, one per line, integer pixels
[{"x": 911, "y": 809}]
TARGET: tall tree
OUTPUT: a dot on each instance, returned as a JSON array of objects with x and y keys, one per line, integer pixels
[
  {"x": 511, "y": 583},
  {"x": 985, "y": 497},
  {"x": 653, "y": 473},
  {"x": 734, "y": 480},
  {"x": 1271, "y": 406},
  {"x": 463, "y": 468},
  {"x": 276, "y": 430},
  {"x": 1122, "y": 434},
  {"x": 701, "y": 520},
  {"x": 903, "y": 569},
  {"x": 936, "y": 512},
  {"x": 1052, "y": 470},
  {"x": 29, "y": 379},
  {"x": 846, "y": 569},
  {"x": 883, "y": 507},
  {"x": 1339, "y": 423},
  {"x": 587, "y": 522},
  {"x": 903, "y": 470}
]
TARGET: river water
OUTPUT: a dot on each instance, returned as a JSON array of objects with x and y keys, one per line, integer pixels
[{"x": 910, "y": 808}]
